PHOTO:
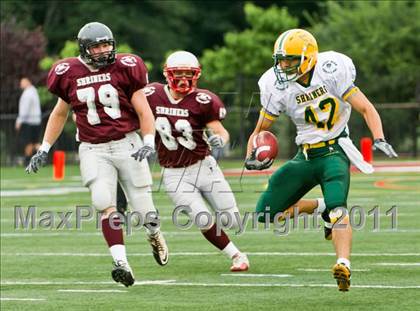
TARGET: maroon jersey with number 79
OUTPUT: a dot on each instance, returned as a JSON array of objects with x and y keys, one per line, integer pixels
[
  {"x": 101, "y": 98},
  {"x": 180, "y": 124}
]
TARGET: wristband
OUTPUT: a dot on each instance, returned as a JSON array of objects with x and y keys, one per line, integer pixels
[
  {"x": 149, "y": 140},
  {"x": 45, "y": 146}
]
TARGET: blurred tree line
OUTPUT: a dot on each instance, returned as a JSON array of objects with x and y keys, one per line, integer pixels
[
  {"x": 234, "y": 40},
  {"x": 382, "y": 38}
]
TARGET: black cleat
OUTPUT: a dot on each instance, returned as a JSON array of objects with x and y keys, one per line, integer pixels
[{"x": 122, "y": 273}]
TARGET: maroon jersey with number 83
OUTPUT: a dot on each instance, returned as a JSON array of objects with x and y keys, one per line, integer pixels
[
  {"x": 100, "y": 98},
  {"x": 180, "y": 124}
]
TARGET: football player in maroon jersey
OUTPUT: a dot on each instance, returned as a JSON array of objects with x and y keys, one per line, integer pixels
[
  {"x": 191, "y": 175},
  {"x": 105, "y": 91}
]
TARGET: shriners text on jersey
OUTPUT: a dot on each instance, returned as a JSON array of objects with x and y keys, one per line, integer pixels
[
  {"x": 319, "y": 111},
  {"x": 180, "y": 124},
  {"x": 100, "y": 98}
]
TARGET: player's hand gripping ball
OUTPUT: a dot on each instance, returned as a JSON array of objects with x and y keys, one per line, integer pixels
[
  {"x": 264, "y": 151},
  {"x": 265, "y": 145}
]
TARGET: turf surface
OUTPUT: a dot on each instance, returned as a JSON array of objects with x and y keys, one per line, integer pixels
[{"x": 50, "y": 269}]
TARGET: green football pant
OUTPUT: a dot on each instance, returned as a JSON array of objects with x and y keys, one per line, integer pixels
[{"x": 327, "y": 167}]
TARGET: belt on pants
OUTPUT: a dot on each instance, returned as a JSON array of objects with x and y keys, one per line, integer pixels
[{"x": 322, "y": 144}]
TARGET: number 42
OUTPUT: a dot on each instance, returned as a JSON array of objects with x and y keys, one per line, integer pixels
[{"x": 329, "y": 104}]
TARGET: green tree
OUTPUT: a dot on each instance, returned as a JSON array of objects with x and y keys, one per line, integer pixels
[
  {"x": 150, "y": 27},
  {"x": 21, "y": 50},
  {"x": 235, "y": 67},
  {"x": 382, "y": 38}
]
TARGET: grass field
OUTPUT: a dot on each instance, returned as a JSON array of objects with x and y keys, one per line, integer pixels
[{"x": 69, "y": 269}]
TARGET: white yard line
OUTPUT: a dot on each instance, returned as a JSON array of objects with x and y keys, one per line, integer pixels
[
  {"x": 329, "y": 270},
  {"x": 21, "y": 299},
  {"x": 400, "y": 264},
  {"x": 214, "y": 254},
  {"x": 42, "y": 191},
  {"x": 79, "y": 233},
  {"x": 251, "y": 275},
  {"x": 145, "y": 282},
  {"x": 91, "y": 291},
  {"x": 287, "y": 285},
  {"x": 193, "y": 284}
]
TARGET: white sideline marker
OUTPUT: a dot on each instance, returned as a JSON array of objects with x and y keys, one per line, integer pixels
[
  {"x": 21, "y": 299},
  {"x": 258, "y": 275}
]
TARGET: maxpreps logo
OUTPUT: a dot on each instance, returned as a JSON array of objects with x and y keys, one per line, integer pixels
[
  {"x": 61, "y": 68},
  {"x": 329, "y": 66}
]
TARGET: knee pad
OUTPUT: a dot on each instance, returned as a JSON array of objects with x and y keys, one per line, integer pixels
[
  {"x": 101, "y": 197},
  {"x": 141, "y": 201}
]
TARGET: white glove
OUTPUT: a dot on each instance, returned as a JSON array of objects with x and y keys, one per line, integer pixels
[
  {"x": 143, "y": 153},
  {"x": 386, "y": 148},
  {"x": 216, "y": 141},
  {"x": 37, "y": 161},
  {"x": 252, "y": 163}
]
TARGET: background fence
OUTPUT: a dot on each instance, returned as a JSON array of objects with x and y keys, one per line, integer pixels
[{"x": 240, "y": 122}]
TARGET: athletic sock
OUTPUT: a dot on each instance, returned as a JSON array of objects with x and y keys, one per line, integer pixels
[
  {"x": 321, "y": 205},
  {"x": 344, "y": 261},
  {"x": 231, "y": 250},
  {"x": 220, "y": 241},
  {"x": 118, "y": 253},
  {"x": 114, "y": 238}
]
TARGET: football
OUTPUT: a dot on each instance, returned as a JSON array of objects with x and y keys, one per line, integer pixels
[{"x": 266, "y": 144}]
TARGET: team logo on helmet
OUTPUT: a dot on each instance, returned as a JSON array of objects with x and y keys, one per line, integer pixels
[
  {"x": 203, "y": 98},
  {"x": 222, "y": 113},
  {"x": 149, "y": 90},
  {"x": 62, "y": 68},
  {"x": 129, "y": 61},
  {"x": 329, "y": 66}
]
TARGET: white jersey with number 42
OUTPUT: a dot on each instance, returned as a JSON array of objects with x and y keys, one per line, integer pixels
[{"x": 319, "y": 110}]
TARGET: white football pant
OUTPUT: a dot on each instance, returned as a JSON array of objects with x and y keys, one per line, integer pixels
[
  {"x": 103, "y": 165},
  {"x": 192, "y": 185}
]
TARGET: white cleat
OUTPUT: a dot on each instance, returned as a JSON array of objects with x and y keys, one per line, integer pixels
[
  {"x": 159, "y": 248},
  {"x": 240, "y": 263}
]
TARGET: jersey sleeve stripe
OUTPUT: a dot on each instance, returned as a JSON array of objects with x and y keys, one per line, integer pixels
[
  {"x": 268, "y": 115},
  {"x": 350, "y": 91}
]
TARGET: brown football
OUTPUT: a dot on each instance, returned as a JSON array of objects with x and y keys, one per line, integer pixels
[{"x": 266, "y": 144}]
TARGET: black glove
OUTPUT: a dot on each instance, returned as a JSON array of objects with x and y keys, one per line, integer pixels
[
  {"x": 253, "y": 164},
  {"x": 386, "y": 148},
  {"x": 38, "y": 159},
  {"x": 144, "y": 152}
]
